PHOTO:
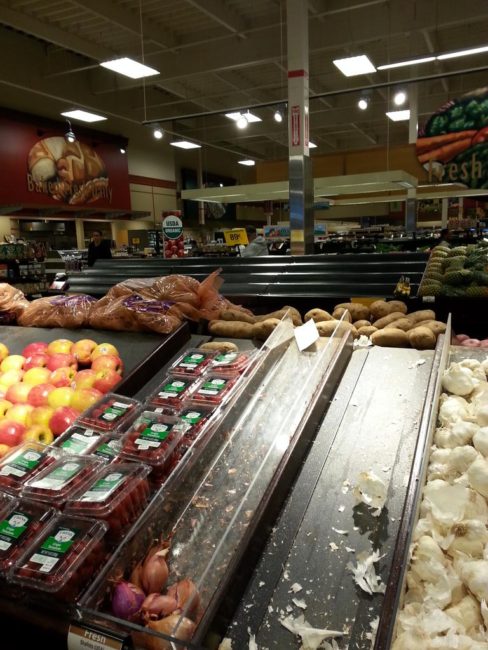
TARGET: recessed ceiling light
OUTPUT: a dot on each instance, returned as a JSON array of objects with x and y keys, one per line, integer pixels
[
  {"x": 278, "y": 116},
  {"x": 399, "y": 98},
  {"x": 184, "y": 144},
  {"x": 401, "y": 64},
  {"x": 312, "y": 145},
  {"x": 454, "y": 55},
  {"x": 242, "y": 122},
  {"x": 399, "y": 116},
  {"x": 122, "y": 150},
  {"x": 247, "y": 163},
  {"x": 363, "y": 103},
  {"x": 158, "y": 133},
  {"x": 249, "y": 117},
  {"x": 354, "y": 65},
  {"x": 83, "y": 116},
  {"x": 129, "y": 68}
]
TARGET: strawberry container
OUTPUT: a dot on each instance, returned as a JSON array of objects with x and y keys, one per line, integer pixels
[
  {"x": 60, "y": 480},
  {"x": 108, "y": 448},
  {"x": 193, "y": 418},
  {"x": 152, "y": 439},
  {"x": 78, "y": 440},
  {"x": 23, "y": 463},
  {"x": 117, "y": 494},
  {"x": 172, "y": 392},
  {"x": 63, "y": 558},
  {"x": 19, "y": 525},
  {"x": 232, "y": 362},
  {"x": 192, "y": 363},
  {"x": 213, "y": 389},
  {"x": 110, "y": 413}
]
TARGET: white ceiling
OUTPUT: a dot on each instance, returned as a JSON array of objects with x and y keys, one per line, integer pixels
[{"x": 219, "y": 54}]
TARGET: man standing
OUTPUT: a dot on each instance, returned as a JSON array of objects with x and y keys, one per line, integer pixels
[
  {"x": 98, "y": 248},
  {"x": 257, "y": 246}
]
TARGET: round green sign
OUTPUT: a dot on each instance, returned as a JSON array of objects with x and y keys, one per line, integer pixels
[{"x": 172, "y": 227}]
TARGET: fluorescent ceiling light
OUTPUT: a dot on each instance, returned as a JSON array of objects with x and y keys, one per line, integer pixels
[
  {"x": 399, "y": 98},
  {"x": 398, "y": 116},
  {"x": 401, "y": 64},
  {"x": 158, "y": 133},
  {"x": 129, "y": 68},
  {"x": 249, "y": 117},
  {"x": 454, "y": 55},
  {"x": 247, "y": 163},
  {"x": 83, "y": 116},
  {"x": 184, "y": 144},
  {"x": 312, "y": 145},
  {"x": 363, "y": 103},
  {"x": 354, "y": 65}
]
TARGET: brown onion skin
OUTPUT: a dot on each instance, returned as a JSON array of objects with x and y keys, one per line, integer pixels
[
  {"x": 186, "y": 595},
  {"x": 135, "y": 576},
  {"x": 167, "y": 625},
  {"x": 157, "y": 606},
  {"x": 154, "y": 574}
]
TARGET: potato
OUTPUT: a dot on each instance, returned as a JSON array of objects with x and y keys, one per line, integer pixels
[
  {"x": 327, "y": 328},
  {"x": 423, "y": 314},
  {"x": 379, "y": 309},
  {"x": 339, "y": 311},
  {"x": 361, "y": 323},
  {"x": 390, "y": 338},
  {"x": 367, "y": 330},
  {"x": 318, "y": 315},
  {"x": 386, "y": 320},
  {"x": 231, "y": 329},
  {"x": 219, "y": 346},
  {"x": 235, "y": 314},
  {"x": 293, "y": 313},
  {"x": 262, "y": 330},
  {"x": 422, "y": 338},
  {"x": 356, "y": 309},
  {"x": 435, "y": 325},
  {"x": 404, "y": 324},
  {"x": 397, "y": 305}
]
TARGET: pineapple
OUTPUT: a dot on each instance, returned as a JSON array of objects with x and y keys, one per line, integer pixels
[
  {"x": 475, "y": 291},
  {"x": 458, "y": 277}
]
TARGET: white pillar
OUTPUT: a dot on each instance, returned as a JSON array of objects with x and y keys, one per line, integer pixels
[
  {"x": 414, "y": 114},
  {"x": 80, "y": 234}
]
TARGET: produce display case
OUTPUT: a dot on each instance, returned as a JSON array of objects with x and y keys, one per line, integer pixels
[{"x": 228, "y": 489}]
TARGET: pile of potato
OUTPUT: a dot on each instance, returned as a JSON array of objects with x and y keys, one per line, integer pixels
[{"x": 386, "y": 323}]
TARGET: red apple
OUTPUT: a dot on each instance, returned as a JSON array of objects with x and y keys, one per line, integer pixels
[
  {"x": 11, "y": 432},
  {"x": 35, "y": 376},
  {"x": 104, "y": 348},
  {"x": 61, "y": 360},
  {"x": 38, "y": 433},
  {"x": 38, "y": 347},
  {"x": 59, "y": 346},
  {"x": 35, "y": 361},
  {"x": 60, "y": 397},
  {"x": 19, "y": 413},
  {"x": 108, "y": 362},
  {"x": 38, "y": 394},
  {"x": 85, "y": 378},
  {"x": 106, "y": 380},
  {"x": 18, "y": 393},
  {"x": 83, "y": 398},
  {"x": 12, "y": 362},
  {"x": 4, "y": 407},
  {"x": 62, "y": 377},
  {"x": 62, "y": 418},
  {"x": 3, "y": 351},
  {"x": 82, "y": 350},
  {"x": 40, "y": 415}
]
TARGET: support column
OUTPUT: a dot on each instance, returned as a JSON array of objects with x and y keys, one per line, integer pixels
[
  {"x": 201, "y": 204},
  {"x": 299, "y": 165},
  {"x": 444, "y": 213},
  {"x": 411, "y": 210},
  {"x": 80, "y": 234},
  {"x": 411, "y": 204}
]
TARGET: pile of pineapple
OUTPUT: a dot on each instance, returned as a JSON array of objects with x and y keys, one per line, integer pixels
[{"x": 459, "y": 271}]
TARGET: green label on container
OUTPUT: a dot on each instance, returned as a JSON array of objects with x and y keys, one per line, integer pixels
[
  {"x": 79, "y": 440},
  {"x": 192, "y": 417},
  {"x": 59, "y": 477},
  {"x": 115, "y": 411},
  {"x": 12, "y": 529},
  {"x": 212, "y": 387},
  {"x": 153, "y": 435},
  {"x": 173, "y": 388},
  {"x": 107, "y": 450},
  {"x": 225, "y": 359},
  {"x": 54, "y": 548},
  {"x": 103, "y": 488},
  {"x": 192, "y": 360},
  {"x": 23, "y": 464}
]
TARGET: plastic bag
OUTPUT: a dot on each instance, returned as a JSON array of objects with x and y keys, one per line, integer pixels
[
  {"x": 70, "y": 312},
  {"x": 12, "y": 303},
  {"x": 133, "y": 313}
]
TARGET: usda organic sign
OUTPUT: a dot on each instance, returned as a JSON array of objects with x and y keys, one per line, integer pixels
[{"x": 172, "y": 227}]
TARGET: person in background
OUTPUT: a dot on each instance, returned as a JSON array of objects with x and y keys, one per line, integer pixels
[
  {"x": 98, "y": 248},
  {"x": 445, "y": 237},
  {"x": 257, "y": 244}
]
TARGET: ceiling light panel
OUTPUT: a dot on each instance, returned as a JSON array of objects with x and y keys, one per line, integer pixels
[
  {"x": 398, "y": 116},
  {"x": 247, "y": 163},
  {"x": 402, "y": 64},
  {"x": 312, "y": 145},
  {"x": 249, "y": 117},
  {"x": 129, "y": 68},
  {"x": 184, "y": 144},
  {"x": 354, "y": 65},
  {"x": 454, "y": 55},
  {"x": 83, "y": 116}
]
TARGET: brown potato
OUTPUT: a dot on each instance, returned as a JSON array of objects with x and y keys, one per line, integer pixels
[
  {"x": 356, "y": 309},
  {"x": 231, "y": 329},
  {"x": 328, "y": 327},
  {"x": 379, "y": 309},
  {"x": 386, "y": 320},
  {"x": 293, "y": 313},
  {"x": 423, "y": 314},
  {"x": 262, "y": 330},
  {"x": 404, "y": 324},
  {"x": 422, "y": 338},
  {"x": 318, "y": 315},
  {"x": 235, "y": 314},
  {"x": 361, "y": 323},
  {"x": 367, "y": 330},
  {"x": 390, "y": 338},
  {"x": 339, "y": 311},
  {"x": 219, "y": 346},
  {"x": 436, "y": 326},
  {"x": 397, "y": 305}
]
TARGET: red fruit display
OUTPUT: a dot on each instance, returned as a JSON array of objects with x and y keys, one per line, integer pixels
[
  {"x": 232, "y": 362},
  {"x": 38, "y": 360},
  {"x": 78, "y": 440},
  {"x": 23, "y": 463},
  {"x": 38, "y": 347},
  {"x": 62, "y": 377},
  {"x": 62, "y": 418},
  {"x": 108, "y": 362},
  {"x": 82, "y": 351},
  {"x": 106, "y": 380},
  {"x": 38, "y": 394},
  {"x": 213, "y": 388},
  {"x": 172, "y": 392},
  {"x": 110, "y": 413},
  {"x": 61, "y": 360},
  {"x": 11, "y": 432},
  {"x": 192, "y": 363},
  {"x": 18, "y": 393},
  {"x": 193, "y": 419},
  {"x": 85, "y": 378}
]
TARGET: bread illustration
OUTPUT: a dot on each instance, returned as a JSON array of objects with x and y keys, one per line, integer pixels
[{"x": 67, "y": 170}]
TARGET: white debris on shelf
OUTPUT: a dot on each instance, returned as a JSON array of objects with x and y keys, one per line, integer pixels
[
  {"x": 261, "y": 584},
  {"x": 374, "y": 629},
  {"x": 387, "y": 468},
  {"x": 333, "y": 546},
  {"x": 286, "y": 575},
  {"x": 333, "y": 645},
  {"x": 372, "y": 491},
  {"x": 289, "y": 609},
  {"x": 296, "y": 587},
  {"x": 311, "y": 637},
  {"x": 364, "y": 573},
  {"x": 341, "y": 508},
  {"x": 362, "y": 342},
  {"x": 252, "y": 640},
  {"x": 345, "y": 486},
  {"x": 340, "y": 532},
  {"x": 270, "y": 609},
  {"x": 299, "y": 603},
  {"x": 349, "y": 549},
  {"x": 225, "y": 644}
]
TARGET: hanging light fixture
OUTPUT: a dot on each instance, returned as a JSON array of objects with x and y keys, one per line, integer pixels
[
  {"x": 363, "y": 103},
  {"x": 399, "y": 98},
  {"x": 158, "y": 133},
  {"x": 69, "y": 136},
  {"x": 278, "y": 116},
  {"x": 242, "y": 122}
]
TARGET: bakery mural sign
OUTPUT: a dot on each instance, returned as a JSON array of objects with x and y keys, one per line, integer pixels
[
  {"x": 453, "y": 144},
  {"x": 40, "y": 167}
]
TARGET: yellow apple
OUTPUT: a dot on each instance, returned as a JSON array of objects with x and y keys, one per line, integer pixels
[
  {"x": 11, "y": 377},
  {"x": 39, "y": 433},
  {"x": 59, "y": 346},
  {"x": 12, "y": 362},
  {"x": 60, "y": 397},
  {"x": 3, "y": 351},
  {"x": 35, "y": 376},
  {"x": 4, "y": 449},
  {"x": 40, "y": 415},
  {"x": 4, "y": 407},
  {"x": 19, "y": 413},
  {"x": 104, "y": 348}
]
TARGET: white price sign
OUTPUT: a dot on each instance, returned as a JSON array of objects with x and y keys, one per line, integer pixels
[{"x": 83, "y": 638}]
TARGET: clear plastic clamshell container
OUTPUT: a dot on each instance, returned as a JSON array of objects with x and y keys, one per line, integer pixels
[
  {"x": 57, "y": 482},
  {"x": 232, "y": 362},
  {"x": 20, "y": 523},
  {"x": 192, "y": 363},
  {"x": 23, "y": 463},
  {"x": 78, "y": 439},
  {"x": 117, "y": 494},
  {"x": 172, "y": 392},
  {"x": 193, "y": 418},
  {"x": 213, "y": 388},
  {"x": 108, "y": 448},
  {"x": 110, "y": 413},
  {"x": 152, "y": 439},
  {"x": 63, "y": 558}
]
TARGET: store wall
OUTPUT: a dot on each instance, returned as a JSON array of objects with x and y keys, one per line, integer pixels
[
  {"x": 120, "y": 230},
  {"x": 5, "y": 227}
]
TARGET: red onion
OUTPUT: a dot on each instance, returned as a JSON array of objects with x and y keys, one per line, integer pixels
[
  {"x": 156, "y": 606},
  {"x": 154, "y": 574},
  {"x": 470, "y": 343},
  {"x": 484, "y": 343},
  {"x": 186, "y": 595},
  {"x": 462, "y": 337},
  {"x": 126, "y": 600}
]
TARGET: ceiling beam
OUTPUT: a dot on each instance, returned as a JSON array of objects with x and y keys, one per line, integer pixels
[
  {"x": 218, "y": 11},
  {"x": 432, "y": 49}
]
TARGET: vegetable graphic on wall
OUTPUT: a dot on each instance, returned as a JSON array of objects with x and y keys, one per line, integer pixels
[
  {"x": 453, "y": 145},
  {"x": 71, "y": 172}
]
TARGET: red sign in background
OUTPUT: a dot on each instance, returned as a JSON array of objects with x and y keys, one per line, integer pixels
[{"x": 39, "y": 167}]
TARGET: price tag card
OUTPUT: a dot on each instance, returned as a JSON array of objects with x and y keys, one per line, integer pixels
[
  {"x": 82, "y": 637},
  {"x": 236, "y": 237},
  {"x": 428, "y": 299},
  {"x": 306, "y": 334}
]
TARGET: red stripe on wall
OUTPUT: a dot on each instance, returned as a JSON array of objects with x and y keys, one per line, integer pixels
[
  {"x": 153, "y": 182},
  {"x": 297, "y": 73}
]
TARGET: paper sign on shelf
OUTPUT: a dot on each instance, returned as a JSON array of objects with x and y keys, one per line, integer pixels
[
  {"x": 86, "y": 638},
  {"x": 236, "y": 237},
  {"x": 306, "y": 334}
]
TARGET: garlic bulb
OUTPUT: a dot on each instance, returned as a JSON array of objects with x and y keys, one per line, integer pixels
[
  {"x": 459, "y": 380},
  {"x": 478, "y": 476},
  {"x": 475, "y": 574},
  {"x": 477, "y": 507},
  {"x": 458, "y": 434},
  {"x": 428, "y": 562},
  {"x": 480, "y": 440},
  {"x": 453, "y": 409},
  {"x": 466, "y": 613},
  {"x": 482, "y": 415},
  {"x": 470, "y": 537},
  {"x": 446, "y": 503},
  {"x": 484, "y": 365}
]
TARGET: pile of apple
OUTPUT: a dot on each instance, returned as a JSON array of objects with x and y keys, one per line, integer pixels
[{"x": 44, "y": 389}]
